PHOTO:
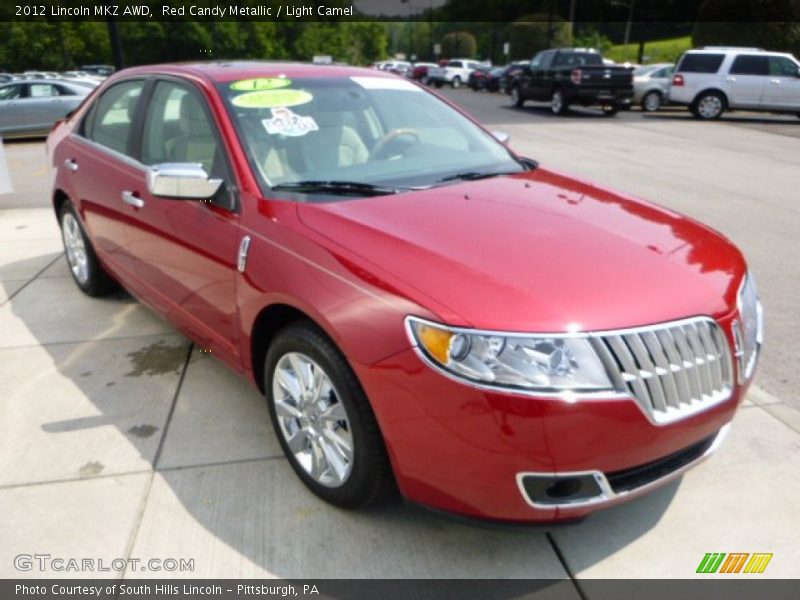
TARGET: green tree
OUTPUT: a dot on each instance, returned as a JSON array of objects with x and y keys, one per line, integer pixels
[
  {"x": 459, "y": 44},
  {"x": 532, "y": 33},
  {"x": 768, "y": 26}
]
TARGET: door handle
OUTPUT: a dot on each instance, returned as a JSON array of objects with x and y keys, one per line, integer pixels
[
  {"x": 774, "y": 81},
  {"x": 71, "y": 164},
  {"x": 132, "y": 198},
  {"x": 730, "y": 78}
]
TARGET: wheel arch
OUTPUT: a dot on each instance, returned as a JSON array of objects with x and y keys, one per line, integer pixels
[
  {"x": 713, "y": 90},
  {"x": 59, "y": 198}
]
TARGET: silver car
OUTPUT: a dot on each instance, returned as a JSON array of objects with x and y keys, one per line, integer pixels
[
  {"x": 31, "y": 107},
  {"x": 651, "y": 85}
]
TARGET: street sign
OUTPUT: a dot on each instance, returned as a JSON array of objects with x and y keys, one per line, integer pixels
[{"x": 507, "y": 48}]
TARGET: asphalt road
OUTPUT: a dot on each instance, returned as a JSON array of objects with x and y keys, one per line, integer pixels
[{"x": 738, "y": 175}]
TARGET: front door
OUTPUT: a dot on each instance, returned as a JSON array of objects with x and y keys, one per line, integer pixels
[
  {"x": 186, "y": 250},
  {"x": 782, "y": 91}
]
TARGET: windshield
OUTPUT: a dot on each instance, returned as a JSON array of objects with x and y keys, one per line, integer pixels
[{"x": 383, "y": 132}]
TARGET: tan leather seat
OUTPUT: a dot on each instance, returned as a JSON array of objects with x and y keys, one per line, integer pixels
[
  {"x": 196, "y": 142},
  {"x": 334, "y": 145}
]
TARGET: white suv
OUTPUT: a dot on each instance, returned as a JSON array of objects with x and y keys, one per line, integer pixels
[
  {"x": 455, "y": 72},
  {"x": 714, "y": 79}
]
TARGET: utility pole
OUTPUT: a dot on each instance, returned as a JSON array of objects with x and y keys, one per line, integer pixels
[{"x": 116, "y": 43}]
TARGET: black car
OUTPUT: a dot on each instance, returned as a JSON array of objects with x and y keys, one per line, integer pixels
[{"x": 510, "y": 73}]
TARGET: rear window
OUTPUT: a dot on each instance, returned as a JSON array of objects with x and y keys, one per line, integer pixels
[
  {"x": 700, "y": 63},
  {"x": 577, "y": 59}
]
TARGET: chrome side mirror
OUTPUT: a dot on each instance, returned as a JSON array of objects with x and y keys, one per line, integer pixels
[
  {"x": 501, "y": 136},
  {"x": 181, "y": 180}
]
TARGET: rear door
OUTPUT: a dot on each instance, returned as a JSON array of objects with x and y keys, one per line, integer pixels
[
  {"x": 186, "y": 250},
  {"x": 782, "y": 91},
  {"x": 746, "y": 80},
  {"x": 99, "y": 165},
  {"x": 11, "y": 108},
  {"x": 45, "y": 105}
]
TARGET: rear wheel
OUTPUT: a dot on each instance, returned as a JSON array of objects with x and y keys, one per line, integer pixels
[
  {"x": 88, "y": 273},
  {"x": 323, "y": 419},
  {"x": 558, "y": 104},
  {"x": 652, "y": 101},
  {"x": 456, "y": 83},
  {"x": 516, "y": 98},
  {"x": 708, "y": 106}
]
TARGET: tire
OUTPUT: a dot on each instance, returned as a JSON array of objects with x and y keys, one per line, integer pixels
[
  {"x": 709, "y": 106},
  {"x": 346, "y": 418},
  {"x": 610, "y": 110},
  {"x": 86, "y": 269},
  {"x": 437, "y": 84},
  {"x": 652, "y": 101},
  {"x": 517, "y": 101},
  {"x": 558, "y": 105},
  {"x": 798, "y": 115},
  {"x": 456, "y": 83}
]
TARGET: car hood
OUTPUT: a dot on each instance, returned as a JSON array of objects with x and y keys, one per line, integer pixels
[{"x": 536, "y": 251}]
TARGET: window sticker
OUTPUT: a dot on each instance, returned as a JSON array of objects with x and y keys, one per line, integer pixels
[
  {"x": 385, "y": 83},
  {"x": 260, "y": 83},
  {"x": 272, "y": 99},
  {"x": 286, "y": 122}
]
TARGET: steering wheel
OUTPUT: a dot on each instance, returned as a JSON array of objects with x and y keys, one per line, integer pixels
[{"x": 382, "y": 145}]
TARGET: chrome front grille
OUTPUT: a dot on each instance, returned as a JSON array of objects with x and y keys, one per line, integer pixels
[{"x": 673, "y": 370}]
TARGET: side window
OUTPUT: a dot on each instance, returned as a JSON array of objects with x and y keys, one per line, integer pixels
[
  {"x": 700, "y": 63},
  {"x": 780, "y": 66},
  {"x": 42, "y": 90},
  {"x": 536, "y": 61},
  {"x": 64, "y": 91},
  {"x": 178, "y": 130},
  {"x": 110, "y": 119},
  {"x": 749, "y": 64},
  {"x": 10, "y": 92}
]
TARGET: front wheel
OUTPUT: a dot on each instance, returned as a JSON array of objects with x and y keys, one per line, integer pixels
[
  {"x": 323, "y": 419},
  {"x": 88, "y": 273},
  {"x": 516, "y": 98},
  {"x": 558, "y": 105},
  {"x": 437, "y": 84},
  {"x": 708, "y": 106},
  {"x": 652, "y": 101}
]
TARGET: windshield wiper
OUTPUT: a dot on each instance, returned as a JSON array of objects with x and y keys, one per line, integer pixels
[
  {"x": 473, "y": 176},
  {"x": 355, "y": 188}
]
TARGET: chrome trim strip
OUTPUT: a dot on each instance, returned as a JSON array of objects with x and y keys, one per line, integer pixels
[{"x": 608, "y": 495}]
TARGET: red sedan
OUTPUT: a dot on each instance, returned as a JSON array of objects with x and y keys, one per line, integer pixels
[{"x": 417, "y": 303}]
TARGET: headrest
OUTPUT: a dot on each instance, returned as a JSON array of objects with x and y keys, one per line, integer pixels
[{"x": 193, "y": 120}]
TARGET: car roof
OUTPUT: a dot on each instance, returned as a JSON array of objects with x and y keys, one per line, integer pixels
[{"x": 225, "y": 71}]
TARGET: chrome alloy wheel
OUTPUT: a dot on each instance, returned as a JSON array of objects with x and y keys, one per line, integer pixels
[
  {"x": 709, "y": 107},
  {"x": 75, "y": 247},
  {"x": 557, "y": 102},
  {"x": 312, "y": 419},
  {"x": 514, "y": 96},
  {"x": 652, "y": 101}
]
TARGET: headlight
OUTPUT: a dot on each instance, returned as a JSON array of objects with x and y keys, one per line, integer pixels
[
  {"x": 543, "y": 363},
  {"x": 749, "y": 330}
]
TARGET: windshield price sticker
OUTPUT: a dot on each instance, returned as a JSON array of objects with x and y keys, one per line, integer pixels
[{"x": 286, "y": 122}]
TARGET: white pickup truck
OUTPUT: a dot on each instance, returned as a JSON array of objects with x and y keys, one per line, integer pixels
[{"x": 455, "y": 73}]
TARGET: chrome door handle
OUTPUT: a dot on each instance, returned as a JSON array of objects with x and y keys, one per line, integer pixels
[
  {"x": 774, "y": 81},
  {"x": 71, "y": 164},
  {"x": 132, "y": 199},
  {"x": 730, "y": 79}
]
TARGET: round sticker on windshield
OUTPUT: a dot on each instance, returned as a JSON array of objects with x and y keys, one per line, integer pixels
[
  {"x": 272, "y": 98},
  {"x": 261, "y": 83}
]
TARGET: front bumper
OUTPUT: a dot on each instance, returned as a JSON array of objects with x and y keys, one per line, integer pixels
[{"x": 464, "y": 450}]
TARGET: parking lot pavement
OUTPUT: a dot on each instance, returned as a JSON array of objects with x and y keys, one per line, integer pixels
[{"x": 119, "y": 439}]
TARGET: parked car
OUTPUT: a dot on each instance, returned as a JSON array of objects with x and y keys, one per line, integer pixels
[
  {"x": 574, "y": 76},
  {"x": 6, "y": 77},
  {"x": 651, "y": 85},
  {"x": 383, "y": 269},
  {"x": 510, "y": 73},
  {"x": 714, "y": 79},
  {"x": 455, "y": 72},
  {"x": 477, "y": 78},
  {"x": 486, "y": 78},
  {"x": 29, "y": 108},
  {"x": 419, "y": 71},
  {"x": 99, "y": 70}
]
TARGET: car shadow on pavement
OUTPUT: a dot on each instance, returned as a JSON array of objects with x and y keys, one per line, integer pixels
[
  {"x": 543, "y": 110},
  {"x": 118, "y": 391}
]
